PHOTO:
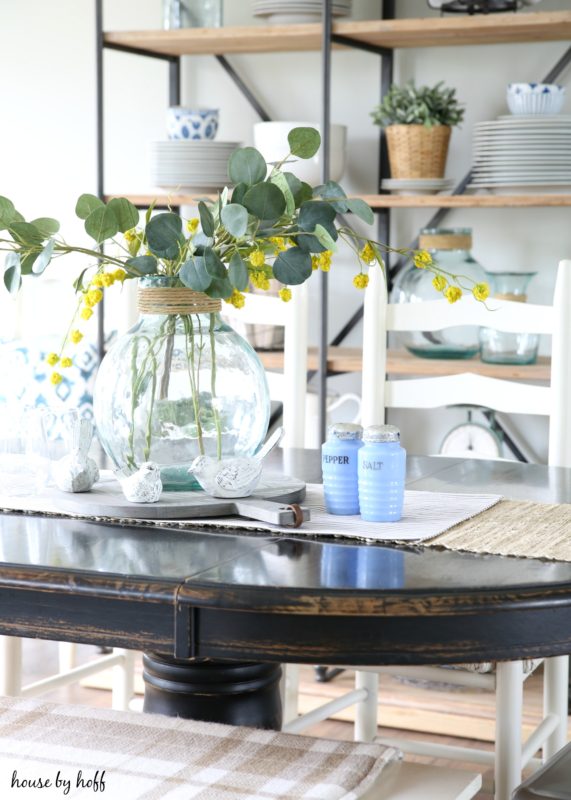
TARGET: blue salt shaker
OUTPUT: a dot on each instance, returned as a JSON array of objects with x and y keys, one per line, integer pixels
[
  {"x": 339, "y": 466},
  {"x": 382, "y": 469}
]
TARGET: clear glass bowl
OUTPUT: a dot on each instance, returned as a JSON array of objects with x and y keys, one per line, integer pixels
[
  {"x": 414, "y": 285},
  {"x": 176, "y": 386},
  {"x": 509, "y": 348}
]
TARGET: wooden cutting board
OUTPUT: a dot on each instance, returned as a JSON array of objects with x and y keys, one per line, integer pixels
[{"x": 271, "y": 503}]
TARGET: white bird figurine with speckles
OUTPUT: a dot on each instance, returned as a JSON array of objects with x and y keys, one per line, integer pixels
[
  {"x": 232, "y": 477},
  {"x": 76, "y": 472},
  {"x": 144, "y": 485}
]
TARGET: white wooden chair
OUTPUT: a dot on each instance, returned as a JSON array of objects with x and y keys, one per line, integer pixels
[{"x": 379, "y": 393}]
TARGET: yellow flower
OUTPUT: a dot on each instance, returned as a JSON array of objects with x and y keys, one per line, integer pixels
[
  {"x": 422, "y": 259},
  {"x": 285, "y": 294},
  {"x": 439, "y": 282},
  {"x": 76, "y": 336},
  {"x": 56, "y": 378},
  {"x": 97, "y": 280},
  {"x": 130, "y": 235},
  {"x": 279, "y": 243},
  {"x": 120, "y": 275},
  {"x": 52, "y": 359},
  {"x": 66, "y": 362},
  {"x": 86, "y": 313},
  {"x": 453, "y": 293},
  {"x": 260, "y": 280},
  {"x": 236, "y": 299},
  {"x": 361, "y": 281},
  {"x": 367, "y": 254},
  {"x": 315, "y": 262},
  {"x": 192, "y": 225},
  {"x": 257, "y": 258},
  {"x": 107, "y": 279},
  {"x": 325, "y": 260},
  {"x": 481, "y": 291},
  {"x": 93, "y": 297}
]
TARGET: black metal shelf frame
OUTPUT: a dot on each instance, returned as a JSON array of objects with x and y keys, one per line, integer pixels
[{"x": 383, "y": 214}]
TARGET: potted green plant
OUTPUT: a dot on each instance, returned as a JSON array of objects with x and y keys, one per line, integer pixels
[{"x": 418, "y": 121}]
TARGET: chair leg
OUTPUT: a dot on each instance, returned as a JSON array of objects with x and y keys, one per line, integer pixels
[
  {"x": 10, "y": 666},
  {"x": 290, "y": 692},
  {"x": 509, "y": 703},
  {"x": 67, "y": 652},
  {"x": 123, "y": 687},
  {"x": 366, "y": 710},
  {"x": 555, "y": 699}
]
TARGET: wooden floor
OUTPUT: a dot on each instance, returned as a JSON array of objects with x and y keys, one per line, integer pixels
[{"x": 461, "y": 717}]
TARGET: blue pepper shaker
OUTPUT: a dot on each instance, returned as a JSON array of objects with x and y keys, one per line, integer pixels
[
  {"x": 382, "y": 469},
  {"x": 339, "y": 466}
]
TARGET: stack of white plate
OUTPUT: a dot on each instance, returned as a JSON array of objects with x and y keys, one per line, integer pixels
[
  {"x": 186, "y": 164},
  {"x": 417, "y": 185},
  {"x": 525, "y": 153},
  {"x": 290, "y": 11}
]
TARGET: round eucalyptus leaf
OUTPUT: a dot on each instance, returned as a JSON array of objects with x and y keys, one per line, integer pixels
[
  {"x": 206, "y": 219},
  {"x": 239, "y": 192},
  {"x": 238, "y": 273},
  {"x": 304, "y": 142},
  {"x": 12, "y": 273},
  {"x": 46, "y": 225},
  {"x": 324, "y": 238},
  {"x": 213, "y": 264},
  {"x": 87, "y": 203},
  {"x": 44, "y": 258},
  {"x": 101, "y": 224},
  {"x": 141, "y": 265},
  {"x": 126, "y": 214},
  {"x": 235, "y": 219},
  {"x": 7, "y": 212},
  {"x": 293, "y": 266},
  {"x": 280, "y": 180},
  {"x": 25, "y": 233},
  {"x": 333, "y": 194},
  {"x": 304, "y": 194},
  {"x": 265, "y": 201},
  {"x": 220, "y": 288},
  {"x": 361, "y": 210},
  {"x": 164, "y": 235},
  {"x": 194, "y": 275},
  {"x": 27, "y": 262},
  {"x": 247, "y": 165}
]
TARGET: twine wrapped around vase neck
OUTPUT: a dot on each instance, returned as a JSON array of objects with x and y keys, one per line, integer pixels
[{"x": 179, "y": 300}]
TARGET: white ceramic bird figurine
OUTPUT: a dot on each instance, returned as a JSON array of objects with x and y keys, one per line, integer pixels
[
  {"x": 233, "y": 477},
  {"x": 144, "y": 485},
  {"x": 76, "y": 472}
]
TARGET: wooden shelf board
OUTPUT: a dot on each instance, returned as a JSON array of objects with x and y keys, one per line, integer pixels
[
  {"x": 467, "y": 200},
  {"x": 425, "y": 32},
  {"x": 377, "y": 201},
  {"x": 400, "y": 362}
]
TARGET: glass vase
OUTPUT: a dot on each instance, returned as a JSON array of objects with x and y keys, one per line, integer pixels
[
  {"x": 181, "y": 383},
  {"x": 192, "y": 14},
  {"x": 450, "y": 249},
  {"x": 509, "y": 348}
]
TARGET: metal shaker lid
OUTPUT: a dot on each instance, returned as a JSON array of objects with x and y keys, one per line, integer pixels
[
  {"x": 344, "y": 430},
  {"x": 381, "y": 433}
]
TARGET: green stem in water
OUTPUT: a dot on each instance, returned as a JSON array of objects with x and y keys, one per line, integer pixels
[
  {"x": 213, "y": 388},
  {"x": 189, "y": 331}
]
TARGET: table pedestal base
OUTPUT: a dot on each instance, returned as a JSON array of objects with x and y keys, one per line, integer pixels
[{"x": 213, "y": 691}]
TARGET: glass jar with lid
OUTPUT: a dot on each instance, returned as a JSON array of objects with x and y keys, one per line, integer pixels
[{"x": 450, "y": 248}]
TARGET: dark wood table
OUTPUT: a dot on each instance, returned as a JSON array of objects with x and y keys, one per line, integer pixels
[{"x": 217, "y": 612}]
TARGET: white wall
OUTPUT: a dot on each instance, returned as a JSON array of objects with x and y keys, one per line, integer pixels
[{"x": 47, "y": 139}]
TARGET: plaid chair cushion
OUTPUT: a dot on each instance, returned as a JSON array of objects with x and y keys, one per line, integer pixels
[{"x": 152, "y": 757}]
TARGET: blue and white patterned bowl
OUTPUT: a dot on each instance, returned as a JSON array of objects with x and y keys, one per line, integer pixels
[
  {"x": 535, "y": 98},
  {"x": 192, "y": 123}
]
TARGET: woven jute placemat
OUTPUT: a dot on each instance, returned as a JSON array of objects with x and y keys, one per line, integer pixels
[{"x": 513, "y": 528}]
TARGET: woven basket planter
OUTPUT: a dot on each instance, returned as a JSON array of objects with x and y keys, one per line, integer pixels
[{"x": 416, "y": 151}]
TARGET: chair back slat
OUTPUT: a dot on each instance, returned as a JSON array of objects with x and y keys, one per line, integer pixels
[
  {"x": 503, "y": 315},
  {"x": 560, "y": 423}
]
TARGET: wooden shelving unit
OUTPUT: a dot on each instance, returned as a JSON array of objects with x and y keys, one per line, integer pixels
[
  {"x": 427, "y": 32},
  {"x": 388, "y": 201},
  {"x": 402, "y": 363}
]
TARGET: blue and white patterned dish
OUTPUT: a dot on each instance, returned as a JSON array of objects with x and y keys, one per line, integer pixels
[
  {"x": 192, "y": 123},
  {"x": 535, "y": 98}
]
